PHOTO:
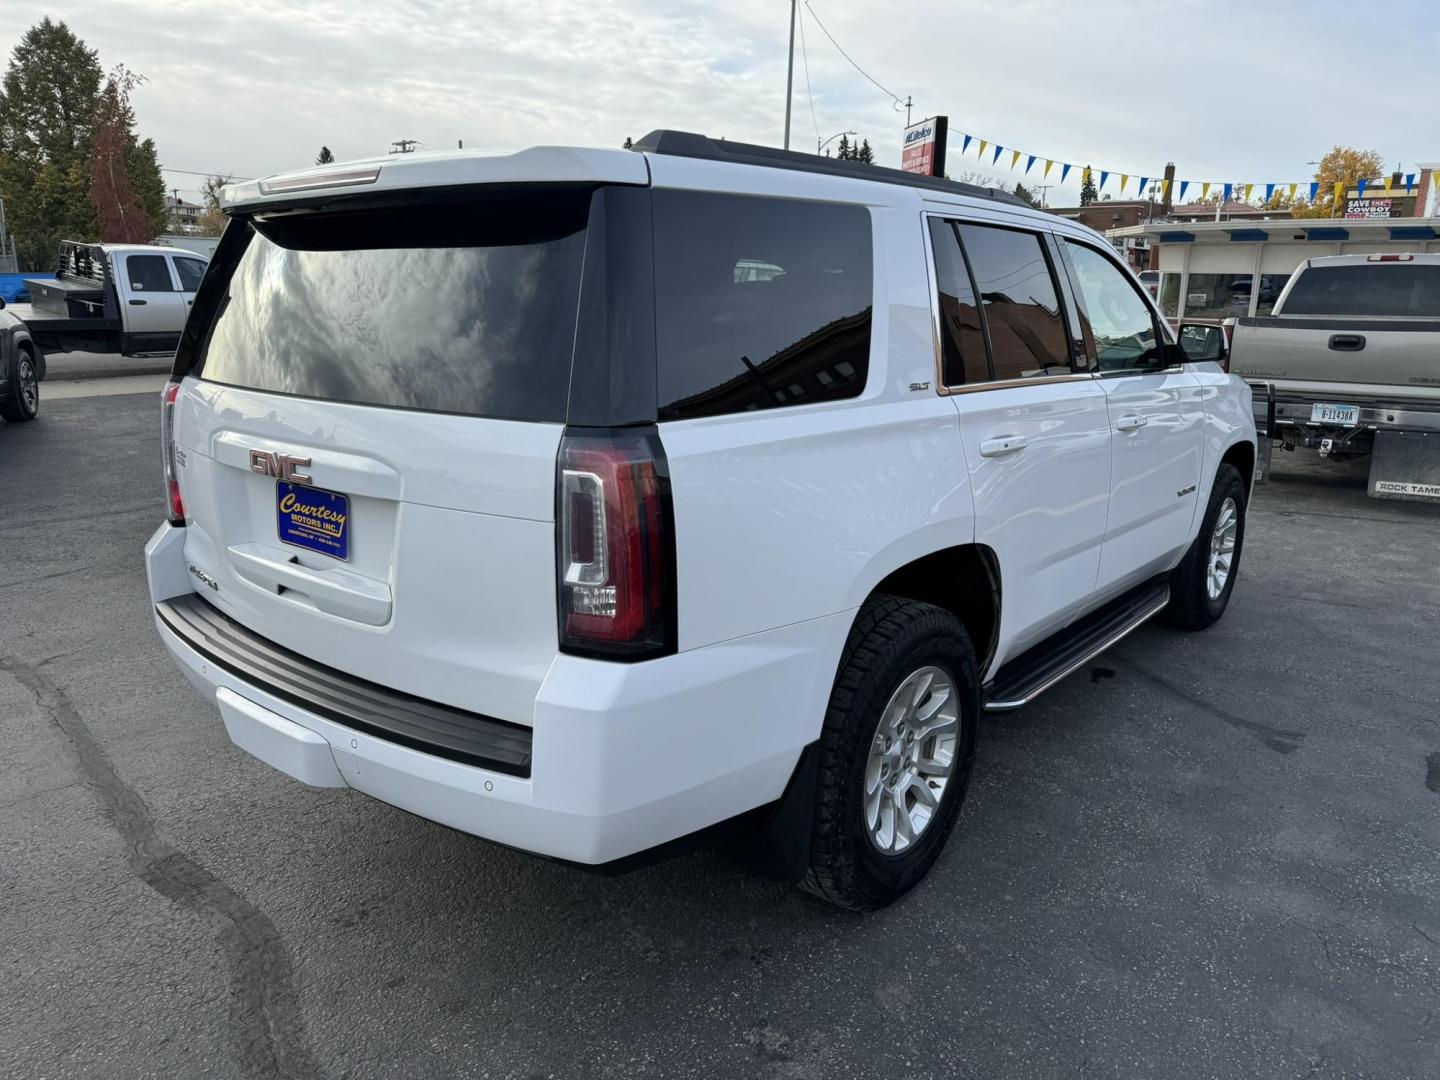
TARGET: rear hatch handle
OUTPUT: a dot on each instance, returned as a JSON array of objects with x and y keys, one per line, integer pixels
[
  {"x": 339, "y": 592},
  {"x": 1347, "y": 342}
]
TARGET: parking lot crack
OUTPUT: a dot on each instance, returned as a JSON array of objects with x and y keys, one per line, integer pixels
[
  {"x": 266, "y": 1022},
  {"x": 1281, "y": 740}
]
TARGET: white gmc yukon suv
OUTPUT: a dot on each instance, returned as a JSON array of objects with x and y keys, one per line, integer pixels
[{"x": 594, "y": 502}]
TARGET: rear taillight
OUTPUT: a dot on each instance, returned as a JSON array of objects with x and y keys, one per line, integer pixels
[
  {"x": 175, "y": 506},
  {"x": 615, "y": 545}
]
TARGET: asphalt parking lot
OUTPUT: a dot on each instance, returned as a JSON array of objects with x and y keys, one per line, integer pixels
[{"x": 1212, "y": 855}]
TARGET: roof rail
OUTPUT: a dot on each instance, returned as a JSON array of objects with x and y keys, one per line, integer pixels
[{"x": 688, "y": 144}]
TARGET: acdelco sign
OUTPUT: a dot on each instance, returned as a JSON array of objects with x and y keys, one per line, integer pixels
[{"x": 923, "y": 150}]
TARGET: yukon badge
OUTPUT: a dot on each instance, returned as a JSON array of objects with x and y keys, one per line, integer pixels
[{"x": 280, "y": 466}]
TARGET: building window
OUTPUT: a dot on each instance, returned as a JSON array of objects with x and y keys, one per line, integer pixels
[{"x": 1217, "y": 296}]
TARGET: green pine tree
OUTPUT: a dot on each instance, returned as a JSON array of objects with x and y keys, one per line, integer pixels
[
  {"x": 844, "y": 152},
  {"x": 48, "y": 100},
  {"x": 1089, "y": 193},
  {"x": 865, "y": 154},
  {"x": 325, "y": 157}
]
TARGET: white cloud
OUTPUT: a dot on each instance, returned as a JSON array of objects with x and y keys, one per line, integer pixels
[{"x": 1225, "y": 92}]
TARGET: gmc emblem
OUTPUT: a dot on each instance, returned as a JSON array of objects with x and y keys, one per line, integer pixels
[{"x": 280, "y": 466}]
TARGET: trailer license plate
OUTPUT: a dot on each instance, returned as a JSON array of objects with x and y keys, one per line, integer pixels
[
  {"x": 313, "y": 518},
  {"x": 1344, "y": 415}
]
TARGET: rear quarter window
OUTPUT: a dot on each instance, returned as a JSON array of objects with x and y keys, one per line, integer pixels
[{"x": 760, "y": 303}]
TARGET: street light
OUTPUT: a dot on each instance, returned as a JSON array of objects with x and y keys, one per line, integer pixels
[{"x": 820, "y": 146}]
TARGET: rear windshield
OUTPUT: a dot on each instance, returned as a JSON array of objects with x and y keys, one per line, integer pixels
[
  {"x": 1380, "y": 289},
  {"x": 466, "y": 306}
]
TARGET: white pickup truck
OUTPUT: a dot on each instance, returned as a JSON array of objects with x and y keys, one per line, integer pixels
[
  {"x": 1353, "y": 353},
  {"x": 113, "y": 298}
]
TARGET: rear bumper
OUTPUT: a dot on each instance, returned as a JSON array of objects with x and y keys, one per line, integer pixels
[{"x": 624, "y": 757}]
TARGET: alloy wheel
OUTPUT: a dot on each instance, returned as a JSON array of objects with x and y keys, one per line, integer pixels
[
  {"x": 912, "y": 757},
  {"x": 1222, "y": 548}
]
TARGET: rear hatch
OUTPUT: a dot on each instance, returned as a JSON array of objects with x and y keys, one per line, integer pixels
[{"x": 367, "y": 435}]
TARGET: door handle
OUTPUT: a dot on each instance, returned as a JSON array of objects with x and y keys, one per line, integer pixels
[
  {"x": 1347, "y": 342},
  {"x": 138, "y": 303},
  {"x": 1001, "y": 445},
  {"x": 1131, "y": 422}
]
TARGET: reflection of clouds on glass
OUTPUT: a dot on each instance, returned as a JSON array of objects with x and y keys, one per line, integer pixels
[{"x": 478, "y": 330}]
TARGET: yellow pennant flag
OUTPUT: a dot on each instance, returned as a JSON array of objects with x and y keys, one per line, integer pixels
[
  {"x": 1339, "y": 190},
  {"x": 1435, "y": 179},
  {"x": 1248, "y": 188},
  {"x": 983, "y": 144},
  {"x": 1124, "y": 179},
  {"x": 1292, "y": 191},
  {"x": 1048, "y": 166},
  {"x": 1165, "y": 189},
  {"x": 1014, "y": 160},
  {"x": 1204, "y": 191},
  {"x": 1388, "y": 181}
]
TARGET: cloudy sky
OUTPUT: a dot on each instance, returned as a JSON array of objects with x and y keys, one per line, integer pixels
[{"x": 1229, "y": 91}]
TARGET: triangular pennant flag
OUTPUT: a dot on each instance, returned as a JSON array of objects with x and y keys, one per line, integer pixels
[
  {"x": 1361, "y": 185},
  {"x": 1389, "y": 180},
  {"x": 966, "y": 144},
  {"x": 1143, "y": 181},
  {"x": 1435, "y": 179},
  {"x": 1103, "y": 177},
  {"x": 1228, "y": 188},
  {"x": 1124, "y": 179},
  {"x": 1314, "y": 190},
  {"x": 1065, "y": 171},
  {"x": 1029, "y": 162},
  {"x": 1409, "y": 182},
  {"x": 1248, "y": 188},
  {"x": 1048, "y": 166},
  {"x": 1339, "y": 190},
  {"x": 1165, "y": 188},
  {"x": 1269, "y": 193},
  {"x": 981, "y": 152},
  {"x": 1205, "y": 190},
  {"x": 998, "y": 151},
  {"x": 1292, "y": 191},
  {"x": 1183, "y": 185}
]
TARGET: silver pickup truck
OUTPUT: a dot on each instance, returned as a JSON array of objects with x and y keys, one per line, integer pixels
[{"x": 1353, "y": 352}]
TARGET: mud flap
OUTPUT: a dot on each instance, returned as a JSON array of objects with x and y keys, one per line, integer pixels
[
  {"x": 1406, "y": 465},
  {"x": 1263, "y": 404}
]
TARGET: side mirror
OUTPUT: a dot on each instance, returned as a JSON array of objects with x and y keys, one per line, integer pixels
[{"x": 1203, "y": 343}]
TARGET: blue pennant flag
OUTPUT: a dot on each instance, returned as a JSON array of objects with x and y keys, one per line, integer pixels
[
  {"x": 1313, "y": 189},
  {"x": 1143, "y": 181},
  {"x": 1409, "y": 182},
  {"x": 1361, "y": 185},
  {"x": 966, "y": 144},
  {"x": 1269, "y": 193},
  {"x": 1028, "y": 162},
  {"x": 997, "y": 154},
  {"x": 1227, "y": 191},
  {"x": 1184, "y": 186},
  {"x": 1064, "y": 172},
  {"x": 1103, "y": 177}
]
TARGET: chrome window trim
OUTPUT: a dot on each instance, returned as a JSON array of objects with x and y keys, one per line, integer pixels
[{"x": 941, "y": 389}]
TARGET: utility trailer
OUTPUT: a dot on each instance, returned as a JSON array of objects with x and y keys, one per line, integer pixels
[{"x": 114, "y": 298}]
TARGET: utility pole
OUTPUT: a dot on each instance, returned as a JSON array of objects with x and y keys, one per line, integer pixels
[
  {"x": 1042, "y": 188},
  {"x": 790, "y": 73},
  {"x": 907, "y": 110}
]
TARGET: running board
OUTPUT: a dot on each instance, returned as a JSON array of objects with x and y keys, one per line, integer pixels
[{"x": 1033, "y": 672}]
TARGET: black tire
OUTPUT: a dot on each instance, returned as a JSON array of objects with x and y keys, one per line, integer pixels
[
  {"x": 21, "y": 400},
  {"x": 892, "y": 638},
  {"x": 1191, "y": 605}
]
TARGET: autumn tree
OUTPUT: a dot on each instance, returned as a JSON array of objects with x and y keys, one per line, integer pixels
[
  {"x": 126, "y": 189},
  {"x": 1342, "y": 165}
]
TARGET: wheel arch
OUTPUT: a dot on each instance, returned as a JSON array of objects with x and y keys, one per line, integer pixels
[
  {"x": 1241, "y": 455},
  {"x": 963, "y": 579}
]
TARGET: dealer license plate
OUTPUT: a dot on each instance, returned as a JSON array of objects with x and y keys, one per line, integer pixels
[
  {"x": 313, "y": 518},
  {"x": 1344, "y": 415}
]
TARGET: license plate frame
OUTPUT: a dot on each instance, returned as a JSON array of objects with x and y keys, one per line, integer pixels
[
  {"x": 1324, "y": 412},
  {"x": 313, "y": 519}
]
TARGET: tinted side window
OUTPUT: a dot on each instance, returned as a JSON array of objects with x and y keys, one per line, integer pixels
[
  {"x": 962, "y": 336},
  {"x": 190, "y": 271},
  {"x": 758, "y": 302},
  {"x": 1379, "y": 289},
  {"x": 148, "y": 273},
  {"x": 1118, "y": 326},
  {"x": 1021, "y": 303}
]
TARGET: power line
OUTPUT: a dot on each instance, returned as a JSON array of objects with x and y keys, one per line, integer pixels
[
  {"x": 893, "y": 97},
  {"x": 805, "y": 59},
  {"x": 192, "y": 172}
]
